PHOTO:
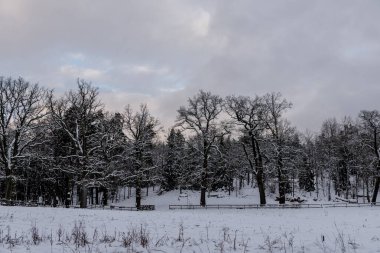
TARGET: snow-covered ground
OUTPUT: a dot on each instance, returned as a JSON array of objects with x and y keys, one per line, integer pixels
[{"x": 163, "y": 230}]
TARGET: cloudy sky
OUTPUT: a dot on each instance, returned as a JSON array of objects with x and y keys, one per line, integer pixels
[{"x": 324, "y": 56}]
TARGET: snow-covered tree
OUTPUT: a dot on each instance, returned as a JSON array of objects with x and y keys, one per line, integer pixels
[
  {"x": 77, "y": 115},
  {"x": 174, "y": 161},
  {"x": 140, "y": 128},
  {"x": 201, "y": 118},
  {"x": 371, "y": 123},
  {"x": 22, "y": 110},
  {"x": 279, "y": 130},
  {"x": 109, "y": 158},
  {"x": 248, "y": 113}
]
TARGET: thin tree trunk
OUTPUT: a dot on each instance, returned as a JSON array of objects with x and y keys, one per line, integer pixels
[
  {"x": 9, "y": 187},
  {"x": 281, "y": 180},
  {"x": 204, "y": 175},
  {"x": 138, "y": 193},
  {"x": 138, "y": 197},
  {"x": 105, "y": 197},
  {"x": 363, "y": 191},
  {"x": 129, "y": 192},
  {"x": 281, "y": 186},
  {"x": 96, "y": 196},
  {"x": 317, "y": 182},
  {"x": 236, "y": 187},
  {"x": 377, "y": 183},
  {"x": 367, "y": 186},
  {"x": 91, "y": 195},
  {"x": 203, "y": 189},
  {"x": 83, "y": 197}
]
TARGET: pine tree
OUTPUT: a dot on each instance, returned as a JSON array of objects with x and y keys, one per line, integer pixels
[{"x": 173, "y": 167}]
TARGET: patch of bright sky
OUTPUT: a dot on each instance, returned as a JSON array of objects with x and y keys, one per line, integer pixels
[{"x": 201, "y": 23}]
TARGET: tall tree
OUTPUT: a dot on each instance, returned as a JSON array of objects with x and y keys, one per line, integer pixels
[
  {"x": 371, "y": 122},
  {"x": 109, "y": 159},
  {"x": 328, "y": 152},
  {"x": 249, "y": 114},
  {"x": 279, "y": 129},
  {"x": 306, "y": 162},
  {"x": 173, "y": 167},
  {"x": 201, "y": 118},
  {"x": 22, "y": 109},
  {"x": 140, "y": 128},
  {"x": 77, "y": 114}
]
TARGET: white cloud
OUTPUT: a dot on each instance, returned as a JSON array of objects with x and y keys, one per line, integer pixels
[
  {"x": 201, "y": 23},
  {"x": 79, "y": 72},
  {"x": 145, "y": 70}
]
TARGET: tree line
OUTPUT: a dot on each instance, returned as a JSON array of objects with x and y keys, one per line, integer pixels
[{"x": 70, "y": 148}]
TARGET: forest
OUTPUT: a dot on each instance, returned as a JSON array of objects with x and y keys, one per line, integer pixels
[{"x": 70, "y": 148}]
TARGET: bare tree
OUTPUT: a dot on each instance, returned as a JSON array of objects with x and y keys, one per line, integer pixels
[
  {"x": 76, "y": 114},
  {"x": 278, "y": 129},
  {"x": 201, "y": 117},
  {"x": 140, "y": 128},
  {"x": 22, "y": 108},
  {"x": 248, "y": 113},
  {"x": 371, "y": 122}
]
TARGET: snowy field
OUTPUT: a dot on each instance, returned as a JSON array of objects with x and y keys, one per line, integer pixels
[{"x": 37, "y": 229}]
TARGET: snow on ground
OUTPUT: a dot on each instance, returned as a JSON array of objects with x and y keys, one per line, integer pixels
[
  {"x": 246, "y": 195},
  {"x": 265, "y": 230},
  {"x": 43, "y": 229}
]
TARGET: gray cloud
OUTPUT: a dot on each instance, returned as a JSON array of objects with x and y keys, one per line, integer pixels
[{"x": 322, "y": 55}]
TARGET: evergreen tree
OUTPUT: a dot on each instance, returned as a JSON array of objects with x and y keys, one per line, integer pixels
[{"x": 173, "y": 167}]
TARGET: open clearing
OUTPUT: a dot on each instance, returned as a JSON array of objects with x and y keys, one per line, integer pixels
[{"x": 38, "y": 229}]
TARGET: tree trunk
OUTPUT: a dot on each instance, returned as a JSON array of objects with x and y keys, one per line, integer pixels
[
  {"x": 105, "y": 196},
  {"x": 260, "y": 170},
  {"x": 258, "y": 167},
  {"x": 203, "y": 188},
  {"x": 260, "y": 184},
  {"x": 236, "y": 187},
  {"x": 317, "y": 182},
  {"x": 377, "y": 184},
  {"x": 204, "y": 175},
  {"x": 138, "y": 193},
  {"x": 96, "y": 196},
  {"x": 138, "y": 197},
  {"x": 129, "y": 192},
  {"x": 281, "y": 187},
  {"x": 91, "y": 195},
  {"x": 367, "y": 187},
  {"x": 329, "y": 190},
  {"x": 9, "y": 187},
  {"x": 83, "y": 197},
  {"x": 376, "y": 189},
  {"x": 282, "y": 182}
]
